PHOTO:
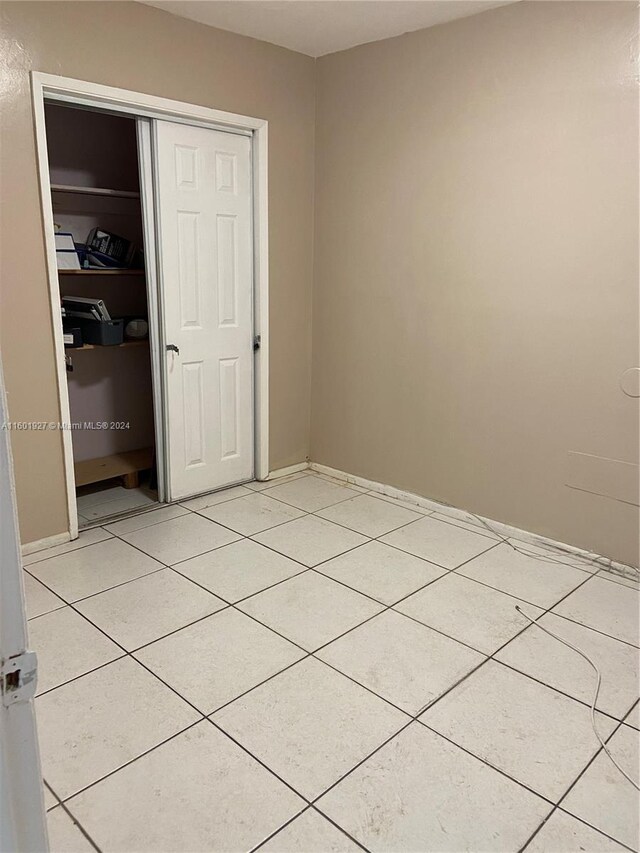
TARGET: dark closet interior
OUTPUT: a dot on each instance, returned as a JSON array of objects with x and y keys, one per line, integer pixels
[{"x": 95, "y": 191}]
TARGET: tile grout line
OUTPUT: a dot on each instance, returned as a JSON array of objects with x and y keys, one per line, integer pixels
[
  {"x": 132, "y": 652},
  {"x": 305, "y": 569},
  {"x": 355, "y": 547},
  {"x": 208, "y": 717},
  {"x": 279, "y": 829},
  {"x": 307, "y": 653},
  {"x": 308, "y": 808},
  {"x": 250, "y": 536},
  {"x": 69, "y": 551},
  {"x": 414, "y": 718},
  {"x": 287, "y": 639},
  {"x": 559, "y": 806},
  {"x": 68, "y": 799},
  {"x": 77, "y": 823},
  {"x": 68, "y": 603}
]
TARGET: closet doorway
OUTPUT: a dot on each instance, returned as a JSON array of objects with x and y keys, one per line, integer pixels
[
  {"x": 157, "y": 258},
  {"x": 95, "y": 197}
]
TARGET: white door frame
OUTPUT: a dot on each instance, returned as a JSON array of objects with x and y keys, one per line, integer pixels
[{"x": 83, "y": 93}]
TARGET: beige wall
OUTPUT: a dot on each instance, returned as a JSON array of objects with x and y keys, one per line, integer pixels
[
  {"x": 476, "y": 250},
  {"x": 476, "y": 263},
  {"x": 140, "y": 48}
]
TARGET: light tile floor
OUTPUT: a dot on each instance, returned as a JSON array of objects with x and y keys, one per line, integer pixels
[
  {"x": 105, "y": 500},
  {"x": 303, "y": 666}
]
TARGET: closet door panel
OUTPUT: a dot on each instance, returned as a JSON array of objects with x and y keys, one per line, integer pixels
[{"x": 206, "y": 263}]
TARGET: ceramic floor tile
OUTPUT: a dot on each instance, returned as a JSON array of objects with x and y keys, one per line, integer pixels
[
  {"x": 382, "y": 572},
  {"x": 310, "y": 725},
  {"x": 469, "y": 523},
  {"x": 233, "y": 654},
  {"x": 555, "y": 555},
  {"x": 310, "y": 609},
  {"x": 608, "y": 607},
  {"x": 546, "y": 659},
  {"x": 261, "y": 485},
  {"x": 38, "y": 599},
  {"x": 312, "y": 493},
  {"x": 531, "y": 732},
  {"x": 199, "y": 791},
  {"x": 404, "y": 662},
  {"x": 80, "y": 573},
  {"x": 405, "y": 503},
  {"x": 443, "y": 544},
  {"x": 368, "y": 515},
  {"x": 633, "y": 719},
  {"x": 213, "y": 498},
  {"x": 251, "y": 514},
  {"x": 101, "y": 495},
  {"x": 145, "y": 609},
  {"x": 565, "y": 834},
  {"x": 93, "y": 725},
  {"x": 87, "y": 537},
  {"x": 422, "y": 793},
  {"x": 239, "y": 570},
  {"x": 604, "y": 798},
  {"x": 133, "y": 499},
  {"x": 64, "y": 834},
  {"x": 312, "y": 833},
  {"x": 629, "y": 577},
  {"x": 67, "y": 646},
  {"x": 468, "y": 611},
  {"x": 528, "y": 578},
  {"x": 146, "y": 519},
  {"x": 339, "y": 482},
  {"x": 49, "y": 799},
  {"x": 181, "y": 538},
  {"x": 310, "y": 540}
]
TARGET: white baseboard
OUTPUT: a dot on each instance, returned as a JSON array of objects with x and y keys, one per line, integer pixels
[
  {"x": 290, "y": 469},
  {"x": 502, "y": 529},
  {"x": 47, "y": 542}
]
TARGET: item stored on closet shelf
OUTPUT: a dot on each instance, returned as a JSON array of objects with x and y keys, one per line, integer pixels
[
  {"x": 137, "y": 329},
  {"x": 108, "y": 249},
  {"x": 85, "y": 307},
  {"x": 66, "y": 253},
  {"x": 72, "y": 336},
  {"x": 91, "y": 316},
  {"x": 103, "y": 333}
]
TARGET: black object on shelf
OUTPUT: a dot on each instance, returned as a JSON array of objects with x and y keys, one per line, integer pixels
[
  {"x": 72, "y": 336},
  {"x": 105, "y": 333},
  {"x": 109, "y": 249}
]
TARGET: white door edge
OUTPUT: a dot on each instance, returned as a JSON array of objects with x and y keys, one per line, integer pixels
[
  {"x": 22, "y": 816},
  {"x": 156, "y": 341}
]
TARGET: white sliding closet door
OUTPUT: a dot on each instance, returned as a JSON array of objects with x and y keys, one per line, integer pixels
[{"x": 203, "y": 186}]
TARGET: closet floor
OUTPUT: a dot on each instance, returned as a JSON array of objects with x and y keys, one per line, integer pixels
[
  {"x": 111, "y": 500},
  {"x": 301, "y": 665}
]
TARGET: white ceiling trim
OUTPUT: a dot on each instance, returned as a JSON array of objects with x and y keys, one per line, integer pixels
[{"x": 318, "y": 27}]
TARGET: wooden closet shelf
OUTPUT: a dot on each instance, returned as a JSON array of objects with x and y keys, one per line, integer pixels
[
  {"x": 101, "y": 272},
  {"x": 101, "y": 191},
  {"x": 142, "y": 343},
  {"x": 126, "y": 465}
]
